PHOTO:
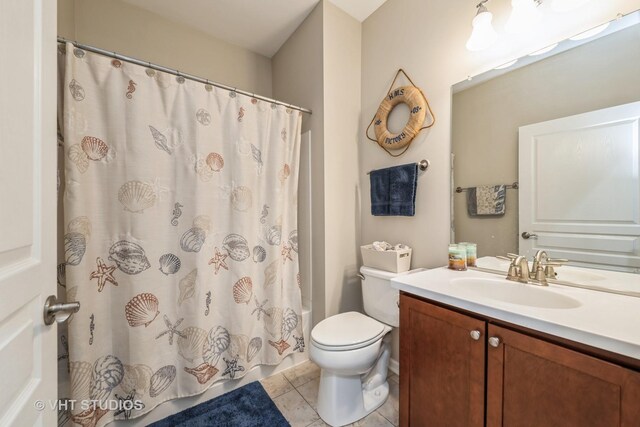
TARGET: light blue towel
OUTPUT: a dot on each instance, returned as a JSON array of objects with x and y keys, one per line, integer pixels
[
  {"x": 393, "y": 190},
  {"x": 486, "y": 200}
]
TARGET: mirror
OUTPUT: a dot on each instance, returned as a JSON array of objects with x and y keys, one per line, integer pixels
[{"x": 564, "y": 125}]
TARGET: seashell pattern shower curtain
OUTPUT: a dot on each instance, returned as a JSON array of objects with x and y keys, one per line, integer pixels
[{"x": 178, "y": 235}]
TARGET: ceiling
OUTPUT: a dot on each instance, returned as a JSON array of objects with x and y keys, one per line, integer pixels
[
  {"x": 261, "y": 26},
  {"x": 359, "y": 9}
]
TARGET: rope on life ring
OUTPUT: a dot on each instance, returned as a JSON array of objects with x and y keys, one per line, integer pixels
[{"x": 418, "y": 105}]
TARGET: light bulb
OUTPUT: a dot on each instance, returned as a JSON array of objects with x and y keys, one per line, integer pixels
[
  {"x": 590, "y": 33},
  {"x": 483, "y": 34},
  {"x": 567, "y": 5},
  {"x": 524, "y": 16}
]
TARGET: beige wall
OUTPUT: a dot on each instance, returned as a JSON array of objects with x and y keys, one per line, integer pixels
[
  {"x": 126, "y": 29},
  {"x": 342, "y": 74},
  {"x": 427, "y": 39},
  {"x": 319, "y": 67},
  {"x": 486, "y": 118},
  {"x": 298, "y": 79},
  {"x": 66, "y": 19}
]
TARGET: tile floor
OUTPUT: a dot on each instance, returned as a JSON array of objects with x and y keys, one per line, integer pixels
[{"x": 295, "y": 393}]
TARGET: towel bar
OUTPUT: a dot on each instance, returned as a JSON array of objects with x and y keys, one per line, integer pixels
[
  {"x": 515, "y": 186},
  {"x": 422, "y": 164}
]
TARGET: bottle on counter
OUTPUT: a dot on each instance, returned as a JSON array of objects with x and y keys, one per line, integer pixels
[
  {"x": 472, "y": 253},
  {"x": 457, "y": 257}
]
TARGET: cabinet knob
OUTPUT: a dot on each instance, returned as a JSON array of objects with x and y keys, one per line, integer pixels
[
  {"x": 494, "y": 341},
  {"x": 475, "y": 335}
]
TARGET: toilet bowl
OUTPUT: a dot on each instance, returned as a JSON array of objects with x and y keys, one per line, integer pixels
[{"x": 353, "y": 350}]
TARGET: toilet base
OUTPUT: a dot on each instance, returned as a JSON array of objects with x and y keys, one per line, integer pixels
[{"x": 342, "y": 399}]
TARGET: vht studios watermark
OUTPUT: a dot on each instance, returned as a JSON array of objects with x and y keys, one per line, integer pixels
[{"x": 83, "y": 405}]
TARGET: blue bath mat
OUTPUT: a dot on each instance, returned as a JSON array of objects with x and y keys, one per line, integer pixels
[{"x": 247, "y": 406}]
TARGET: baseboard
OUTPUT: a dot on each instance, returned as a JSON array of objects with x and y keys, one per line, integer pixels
[{"x": 394, "y": 366}]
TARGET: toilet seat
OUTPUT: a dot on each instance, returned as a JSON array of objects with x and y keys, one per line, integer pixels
[{"x": 347, "y": 331}]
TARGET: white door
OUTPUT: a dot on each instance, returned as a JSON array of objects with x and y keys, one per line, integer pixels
[
  {"x": 580, "y": 189},
  {"x": 27, "y": 209}
]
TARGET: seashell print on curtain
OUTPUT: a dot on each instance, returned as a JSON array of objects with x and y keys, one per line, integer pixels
[{"x": 178, "y": 236}]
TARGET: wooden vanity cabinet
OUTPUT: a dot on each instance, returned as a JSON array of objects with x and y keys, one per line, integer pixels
[
  {"x": 531, "y": 382},
  {"x": 445, "y": 375},
  {"x": 442, "y": 373}
]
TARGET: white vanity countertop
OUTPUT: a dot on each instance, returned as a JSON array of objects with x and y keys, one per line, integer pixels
[
  {"x": 596, "y": 278},
  {"x": 602, "y": 320}
]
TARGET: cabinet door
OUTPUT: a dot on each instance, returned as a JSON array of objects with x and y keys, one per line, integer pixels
[
  {"x": 531, "y": 382},
  {"x": 442, "y": 367}
]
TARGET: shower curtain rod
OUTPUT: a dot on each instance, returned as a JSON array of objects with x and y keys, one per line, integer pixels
[{"x": 178, "y": 73}]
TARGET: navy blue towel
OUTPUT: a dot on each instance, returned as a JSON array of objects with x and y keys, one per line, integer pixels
[{"x": 393, "y": 190}]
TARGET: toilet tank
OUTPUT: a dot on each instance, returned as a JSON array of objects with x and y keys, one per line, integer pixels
[{"x": 380, "y": 299}]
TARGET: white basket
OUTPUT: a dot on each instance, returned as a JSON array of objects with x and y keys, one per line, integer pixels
[{"x": 396, "y": 261}]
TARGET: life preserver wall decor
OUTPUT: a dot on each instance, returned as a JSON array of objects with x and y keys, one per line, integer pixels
[{"x": 418, "y": 107}]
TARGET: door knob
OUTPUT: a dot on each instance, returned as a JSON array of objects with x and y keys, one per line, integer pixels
[
  {"x": 494, "y": 341},
  {"x": 475, "y": 335},
  {"x": 59, "y": 312},
  {"x": 527, "y": 235}
]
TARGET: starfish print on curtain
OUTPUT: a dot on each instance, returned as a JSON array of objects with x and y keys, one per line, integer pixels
[{"x": 104, "y": 274}]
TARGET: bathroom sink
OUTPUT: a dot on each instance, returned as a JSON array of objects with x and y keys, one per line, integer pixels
[{"x": 514, "y": 293}]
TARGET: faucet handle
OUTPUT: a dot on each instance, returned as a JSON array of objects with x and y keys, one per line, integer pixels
[{"x": 549, "y": 270}]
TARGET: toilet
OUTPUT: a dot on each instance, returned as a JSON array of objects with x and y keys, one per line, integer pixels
[{"x": 353, "y": 350}]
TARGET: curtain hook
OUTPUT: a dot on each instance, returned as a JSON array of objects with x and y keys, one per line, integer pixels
[{"x": 150, "y": 71}]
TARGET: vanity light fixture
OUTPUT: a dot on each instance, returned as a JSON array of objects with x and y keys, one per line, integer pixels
[
  {"x": 562, "y": 6},
  {"x": 544, "y": 50},
  {"x": 524, "y": 16},
  {"x": 483, "y": 34},
  {"x": 590, "y": 33},
  {"x": 506, "y": 65}
]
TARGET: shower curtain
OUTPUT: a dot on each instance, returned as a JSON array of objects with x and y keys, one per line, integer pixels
[{"x": 179, "y": 236}]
